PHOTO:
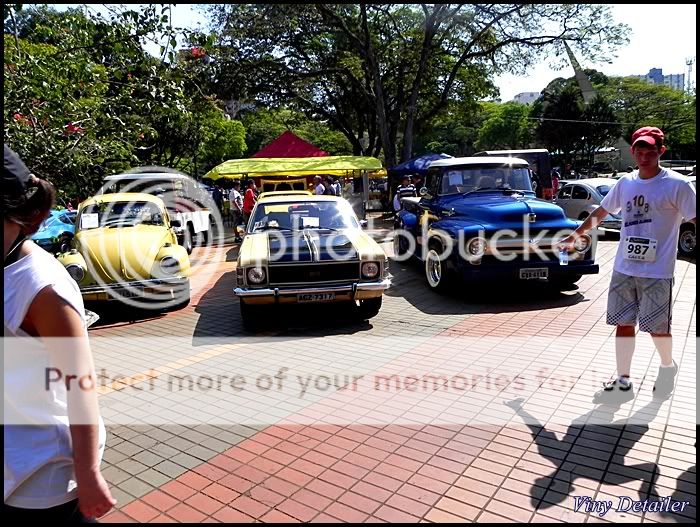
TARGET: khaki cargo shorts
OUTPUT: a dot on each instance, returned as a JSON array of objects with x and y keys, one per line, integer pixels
[{"x": 647, "y": 300}]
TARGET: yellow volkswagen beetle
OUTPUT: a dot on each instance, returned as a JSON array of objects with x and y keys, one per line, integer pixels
[
  {"x": 307, "y": 249},
  {"x": 125, "y": 249}
]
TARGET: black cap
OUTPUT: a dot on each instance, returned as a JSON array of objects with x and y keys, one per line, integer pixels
[{"x": 15, "y": 178}]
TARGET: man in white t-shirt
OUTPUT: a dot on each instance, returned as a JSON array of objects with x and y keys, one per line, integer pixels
[
  {"x": 652, "y": 202},
  {"x": 319, "y": 189}
]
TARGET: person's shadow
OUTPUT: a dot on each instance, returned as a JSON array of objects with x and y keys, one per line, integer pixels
[{"x": 600, "y": 419}]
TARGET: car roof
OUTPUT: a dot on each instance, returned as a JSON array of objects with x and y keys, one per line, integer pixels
[
  {"x": 593, "y": 182},
  {"x": 123, "y": 196},
  {"x": 298, "y": 199},
  {"x": 273, "y": 193},
  {"x": 147, "y": 176},
  {"x": 483, "y": 160}
]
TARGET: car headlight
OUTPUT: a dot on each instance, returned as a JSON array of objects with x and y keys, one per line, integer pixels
[
  {"x": 256, "y": 275},
  {"x": 476, "y": 246},
  {"x": 582, "y": 244},
  {"x": 169, "y": 265},
  {"x": 370, "y": 270},
  {"x": 76, "y": 272}
]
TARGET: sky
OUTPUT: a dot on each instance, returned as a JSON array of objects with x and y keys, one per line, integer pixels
[{"x": 669, "y": 27}]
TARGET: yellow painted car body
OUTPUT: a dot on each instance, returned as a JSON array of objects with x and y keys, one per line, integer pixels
[
  {"x": 307, "y": 249},
  {"x": 124, "y": 247}
]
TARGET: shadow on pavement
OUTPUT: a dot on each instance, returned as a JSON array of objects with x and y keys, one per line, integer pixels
[
  {"x": 114, "y": 314},
  {"x": 467, "y": 298},
  {"x": 602, "y": 440}
]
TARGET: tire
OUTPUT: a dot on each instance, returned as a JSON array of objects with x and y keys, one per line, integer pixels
[
  {"x": 583, "y": 216},
  {"x": 370, "y": 307},
  {"x": 400, "y": 242},
  {"x": 205, "y": 235},
  {"x": 181, "y": 305},
  {"x": 187, "y": 239},
  {"x": 438, "y": 276},
  {"x": 251, "y": 317},
  {"x": 687, "y": 240}
]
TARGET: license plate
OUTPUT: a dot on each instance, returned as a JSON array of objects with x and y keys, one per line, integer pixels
[
  {"x": 132, "y": 292},
  {"x": 315, "y": 297},
  {"x": 534, "y": 274}
]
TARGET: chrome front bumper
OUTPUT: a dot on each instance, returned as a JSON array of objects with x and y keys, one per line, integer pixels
[{"x": 354, "y": 288}]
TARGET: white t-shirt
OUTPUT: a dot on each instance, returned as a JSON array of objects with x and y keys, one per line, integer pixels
[
  {"x": 320, "y": 189},
  {"x": 236, "y": 201},
  {"x": 651, "y": 208},
  {"x": 38, "y": 460}
]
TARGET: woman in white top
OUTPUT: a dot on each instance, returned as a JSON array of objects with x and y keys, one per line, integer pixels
[{"x": 53, "y": 436}]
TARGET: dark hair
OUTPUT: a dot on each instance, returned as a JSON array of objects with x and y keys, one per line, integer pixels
[
  {"x": 236, "y": 184},
  {"x": 30, "y": 209}
]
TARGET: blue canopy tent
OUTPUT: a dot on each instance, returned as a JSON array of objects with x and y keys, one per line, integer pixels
[{"x": 417, "y": 165}]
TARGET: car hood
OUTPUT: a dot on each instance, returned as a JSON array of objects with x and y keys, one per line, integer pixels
[
  {"x": 119, "y": 254},
  {"x": 503, "y": 211},
  {"x": 310, "y": 245}
]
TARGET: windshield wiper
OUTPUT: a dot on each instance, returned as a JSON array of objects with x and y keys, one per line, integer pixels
[
  {"x": 276, "y": 227},
  {"x": 322, "y": 228}
]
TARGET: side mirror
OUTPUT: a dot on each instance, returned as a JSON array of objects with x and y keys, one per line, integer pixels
[
  {"x": 363, "y": 224},
  {"x": 424, "y": 192}
]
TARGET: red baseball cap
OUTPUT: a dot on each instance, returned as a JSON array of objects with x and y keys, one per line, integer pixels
[{"x": 648, "y": 134}]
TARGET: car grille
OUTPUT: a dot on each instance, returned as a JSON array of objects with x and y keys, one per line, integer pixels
[{"x": 310, "y": 273}]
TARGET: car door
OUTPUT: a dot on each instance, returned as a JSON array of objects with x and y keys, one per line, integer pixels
[
  {"x": 580, "y": 197},
  {"x": 564, "y": 198}
]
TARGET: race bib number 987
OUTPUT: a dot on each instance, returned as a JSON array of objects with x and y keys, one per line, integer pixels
[{"x": 640, "y": 249}]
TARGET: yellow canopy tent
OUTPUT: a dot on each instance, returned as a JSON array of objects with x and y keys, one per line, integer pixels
[{"x": 357, "y": 167}]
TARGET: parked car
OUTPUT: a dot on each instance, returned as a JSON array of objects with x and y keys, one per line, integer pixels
[
  {"x": 56, "y": 230},
  {"x": 307, "y": 249},
  {"x": 125, "y": 248},
  {"x": 581, "y": 197},
  {"x": 478, "y": 219},
  {"x": 190, "y": 207},
  {"x": 687, "y": 236}
]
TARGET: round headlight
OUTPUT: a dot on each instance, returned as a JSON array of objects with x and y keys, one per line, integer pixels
[
  {"x": 256, "y": 275},
  {"x": 370, "y": 270},
  {"x": 76, "y": 272},
  {"x": 169, "y": 265},
  {"x": 582, "y": 244},
  {"x": 476, "y": 246}
]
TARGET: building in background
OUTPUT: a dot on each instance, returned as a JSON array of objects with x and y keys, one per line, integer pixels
[
  {"x": 656, "y": 76},
  {"x": 527, "y": 97}
]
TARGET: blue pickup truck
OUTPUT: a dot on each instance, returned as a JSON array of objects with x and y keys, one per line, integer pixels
[{"x": 477, "y": 218}]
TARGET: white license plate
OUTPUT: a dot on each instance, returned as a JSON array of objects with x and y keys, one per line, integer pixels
[
  {"x": 315, "y": 297},
  {"x": 534, "y": 274},
  {"x": 132, "y": 292}
]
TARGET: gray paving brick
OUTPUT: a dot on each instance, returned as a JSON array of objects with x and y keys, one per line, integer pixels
[
  {"x": 186, "y": 460},
  {"x": 136, "y": 487},
  {"x": 131, "y": 466},
  {"x": 148, "y": 458},
  {"x": 170, "y": 469},
  {"x": 153, "y": 477}
]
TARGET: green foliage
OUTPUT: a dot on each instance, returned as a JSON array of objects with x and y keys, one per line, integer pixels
[
  {"x": 506, "y": 127},
  {"x": 83, "y": 99}
]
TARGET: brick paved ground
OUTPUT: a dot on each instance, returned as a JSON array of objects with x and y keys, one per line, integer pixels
[{"x": 399, "y": 454}]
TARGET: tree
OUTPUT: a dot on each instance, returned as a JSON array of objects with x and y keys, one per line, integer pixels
[
  {"x": 507, "y": 127},
  {"x": 389, "y": 70}
]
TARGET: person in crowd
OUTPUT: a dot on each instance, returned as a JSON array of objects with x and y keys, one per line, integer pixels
[
  {"x": 405, "y": 189},
  {"x": 319, "y": 188},
  {"x": 249, "y": 200},
  {"x": 236, "y": 201},
  {"x": 53, "y": 442},
  {"x": 652, "y": 201}
]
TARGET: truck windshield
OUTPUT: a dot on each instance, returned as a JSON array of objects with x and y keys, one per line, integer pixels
[{"x": 459, "y": 180}]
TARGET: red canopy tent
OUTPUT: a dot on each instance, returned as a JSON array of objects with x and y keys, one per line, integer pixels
[{"x": 290, "y": 145}]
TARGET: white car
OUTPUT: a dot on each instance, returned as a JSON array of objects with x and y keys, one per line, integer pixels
[
  {"x": 686, "y": 238},
  {"x": 580, "y": 197}
]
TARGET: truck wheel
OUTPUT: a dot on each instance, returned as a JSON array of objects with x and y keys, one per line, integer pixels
[
  {"x": 400, "y": 241},
  {"x": 567, "y": 282},
  {"x": 370, "y": 307},
  {"x": 437, "y": 274}
]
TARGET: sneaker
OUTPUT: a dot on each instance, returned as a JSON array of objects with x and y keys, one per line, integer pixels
[
  {"x": 614, "y": 392},
  {"x": 665, "y": 381}
]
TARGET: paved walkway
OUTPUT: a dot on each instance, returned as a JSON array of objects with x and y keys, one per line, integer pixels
[{"x": 483, "y": 413}]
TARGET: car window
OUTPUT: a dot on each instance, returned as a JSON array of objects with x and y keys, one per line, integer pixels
[
  {"x": 471, "y": 178},
  {"x": 565, "y": 192},
  {"x": 603, "y": 189},
  {"x": 120, "y": 214},
  {"x": 579, "y": 193},
  {"x": 300, "y": 215}
]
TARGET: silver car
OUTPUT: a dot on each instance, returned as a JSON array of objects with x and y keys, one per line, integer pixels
[{"x": 581, "y": 197}]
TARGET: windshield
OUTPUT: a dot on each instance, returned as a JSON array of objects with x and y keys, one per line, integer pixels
[
  {"x": 58, "y": 219},
  {"x": 120, "y": 214},
  {"x": 472, "y": 178},
  {"x": 309, "y": 215}
]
